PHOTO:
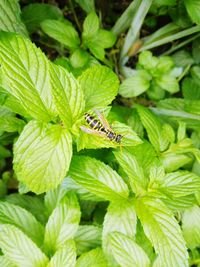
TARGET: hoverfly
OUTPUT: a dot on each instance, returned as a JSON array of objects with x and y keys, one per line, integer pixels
[{"x": 100, "y": 127}]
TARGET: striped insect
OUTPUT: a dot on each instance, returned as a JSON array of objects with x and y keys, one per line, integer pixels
[{"x": 100, "y": 127}]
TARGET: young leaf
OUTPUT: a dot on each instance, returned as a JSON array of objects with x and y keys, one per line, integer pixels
[
  {"x": 42, "y": 155},
  {"x": 193, "y": 8},
  {"x": 19, "y": 248},
  {"x": 5, "y": 262},
  {"x": 126, "y": 251},
  {"x": 10, "y": 20},
  {"x": 24, "y": 220},
  {"x": 163, "y": 231},
  {"x": 87, "y": 237},
  {"x": 98, "y": 178},
  {"x": 34, "y": 14},
  {"x": 154, "y": 128},
  {"x": 68, "y": 95},
  {"x": 105, "y": 38},
  {"x": 87, "y": 5},
  {"x": 94, "y": 258},
  {"x": 169, "y": 83},
  {"x": 100, "y": 86},
  {"x": 90, "y": 26},
  {"x": 61, "y": 32},
  {"x": 65, "y": 256},
  {"x": 134, "y": 171},
  {"x": 135, "y": 85},
  {"x": 62, "y": 224},
  {"x": 180, "y": 183},
  {"x": 25, "y": 74},
  {"x": 191, "y": 226}
]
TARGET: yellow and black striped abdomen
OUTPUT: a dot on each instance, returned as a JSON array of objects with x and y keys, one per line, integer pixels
[{"x": 94, "y": 123}]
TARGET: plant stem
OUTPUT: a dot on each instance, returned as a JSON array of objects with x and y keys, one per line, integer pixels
[{"x": 75, "y": 17}]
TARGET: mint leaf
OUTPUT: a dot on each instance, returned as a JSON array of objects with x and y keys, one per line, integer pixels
[
  {"x": 62, "y": 224},
  {"x": 10, "y": 20},
  {"x": 105, "y": 38},
  {"x": 90, "y": 26},
  {"x": 135, "y": 85},
  {"x": 79, "y": 58},
  {"x": 98, "y": 178},
  {"x": 193, "y": 8},
  {"x": 87, "y": 5},
  {"x": 65, "y": 256},
  {"x": 191, "y": 226},
  {"x": 134, "y": 171},
  {"x": 94, "y": 258},
  {"x": 5, "y": 262},
  {"x": 19, "y": 248},
  {"x": 68, "y": 95},
  {"x": 34, "y": 14},
  {"x": 61, "y": 32},
  {"x": 24, "y": 220},
  {"x": 163, "y": 231},
  {"x": 87, "y": 237},
  {"x": 100, "y": 86},
  {"x": 25, "y": 75},
  {"x": 153, "y": 127},
  {"x": 126, "y": 251},
  {"x": 169, "y": 83},
  {"x": 42, "y": 155}
]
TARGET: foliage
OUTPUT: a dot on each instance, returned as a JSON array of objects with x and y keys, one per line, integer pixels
[{"x": 99, "y": 134}]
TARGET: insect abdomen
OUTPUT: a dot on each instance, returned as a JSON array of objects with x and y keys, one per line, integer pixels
[{"x": 94, "y": 123}]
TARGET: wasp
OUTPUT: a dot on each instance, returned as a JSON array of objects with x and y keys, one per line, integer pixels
[{"x": 100, "y": 127}]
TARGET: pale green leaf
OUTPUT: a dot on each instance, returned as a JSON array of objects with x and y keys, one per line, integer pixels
[
  {"x": 34, "y": 14},
  {"x": 42, "y": 156},
  {"x": 65, "y": 256},
  {"x": 90, "y": 26},
  {"x": 169, "y": 83},
  {"x": 105, "y": 38},
  {"x": 127, "y": 252},
  {"x": 19, "y": 248},
  {"x": 24, "y": 220},
  {"x": 33, "y": 204},
  {"x": 153, "y": 128},
  {"x": 87, "y": 237},
  {"x": 94, "y": 258},
  {"x": 68, "y": 95},
  {"x": 10, "y": 123},
  {"x": 98, "y": 178},
  {"x": 62, "y": 224},
  {"x": 79, "y": 58},
  {"x": 163, "y": 231},
  {"x": 61, "y": 32},
  {"x": 25, "y": 75},
  {"x": 87, "y": 5},
  {"x": 135, "y": 85},
  {"x": 100, "y": 86},
  {"x": 193, "y": 8},
  {"x": 5, "y": 262},
  {"x": 96, "y": 49},
  {"x": 180, "y": 183},
  {"x": 191, "y": 226},
  {"x": 10, "y": 20},
  {"x": 134, "y": 171},
  {"x": 181, "y": 203}
]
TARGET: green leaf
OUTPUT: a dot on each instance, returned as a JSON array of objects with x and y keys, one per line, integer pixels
[
  {"x": 183, "y": 58},
  {"x": 79, "y": 58},
  {"x": 98, "y": 178},
  {"x": 169, "y": 83},
  {"x": 180, "y": 183},
  {"x": 10, "y": 20},
  {"x": 191, "y": 226},
  {"x": 181, "y": 203},
  {"x": 25, "y": 75},
  {"x": 65, "y": 256},
  {"x": 5, "y": 262},
  {"x": 34, "y": 14},
  {"x": 163, "y": 231},
  {"x": 135, "y": 85},
  {"x": 62, "y": 224},
  {"x": 87, "y": 237},
  {"x": 105, "y": 38},
  {"x": 19, "y": 248},
  {"x": 24, "y": 220},
  {"x": 126, "y": 251},
  {"x": 100, "y": 86},
  {"x": 61, "y": 32},
  {"x": 68, "y": 95},
  {"x": 94, "y": 258},
  {"x": 33, "y": 204},
  {"x": 90, "y": 26},
  {"x": 193, "y": 8},
  {"x": 154, "y": 128},
  {"x": 133, "y": 170},
  {"x": 96, "y": 49},
  {"x": 87, "y": 5},
  {"x": 42, "y": 156},
  {"x": 147, "y": 60}
]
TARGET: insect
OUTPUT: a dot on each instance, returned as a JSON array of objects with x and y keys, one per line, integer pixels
[{"x": 100, "y": 127}]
